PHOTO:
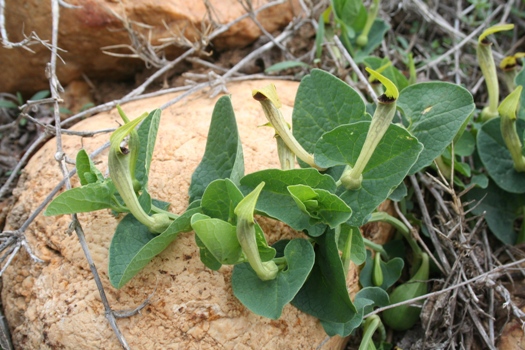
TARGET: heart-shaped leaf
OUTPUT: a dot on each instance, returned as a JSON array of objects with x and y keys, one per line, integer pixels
[
  {"x": 147, "y": 132},
  {"x": 324, "y": 294},
  {"x": 267, "y": 298},
  {"x": 90, "y": 197},
  {"x": 220, "y": 199},
  {"x": 435, "y": 112},
  {"x": 219, "y": 237},
  {"x": 364, "y": 301},
  {"x": 501, "y": 209},
  {"x": 496, "y": 157},
  {"x": 393, "y": 157},
  {"x": 223, "y": 156},
  {"x": 375, "y": 38},
  {"x": 133, "y": 246},
  {"x": 322, "y": 103},
  {"x": 321, "y": 205},
  {"x": 391, "y": 272},
  {"x": 275, "y": 200},
  {"x": 86, "y": 170},
  {"x": 351, "y": 241}
]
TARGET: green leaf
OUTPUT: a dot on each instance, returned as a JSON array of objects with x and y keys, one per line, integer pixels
[
  {"x": 323, "y": 102},
  {"x": 319, "y": 36},
  {"x": 8, "y": 104},
  {"x": 496, "y": 157},
  {"x": 206, "y": 256},
  {"x": 391, "y": 272},
  {"x": 90, "y": 197},
  {"x": 285, "y": 65},
  {"x": 357, "y": 245},
  {"x": 223, "y": 156},
  {"x": 435, "y": 112},
  {"x": 275, "y": 200},
  {"x": 347, "y": 11},
  {"x": 520, "y": 80},
  {"x": 147, "y": 136},
  {"x": 86, "y": 170},
  {"x": 40, "y": 95},
  {"x": 393, "y": 157},
  {"x": 398, "y": 193},
  {"x": 324, "y": 294},
  {"x": 501, "y": 209},
  {"x": 328, "y": 208},
  {"x": 266, "y": 252},
  {"x": 220, "y": 199},
  {"x": 403, "y": 317},
  {"x": 364, "y": 301},
  {"x": 466, "y": 145},
  {"x": 133, "y": 246},
  {"x": 219, "y": 237},
  {"x": 268, "y": 298},
  {"x": 375, "y": 38}
]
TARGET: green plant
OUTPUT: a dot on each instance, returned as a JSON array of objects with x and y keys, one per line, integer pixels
[
  {"x": 499, "y": 144},
  {"x": 488, "y": 68},
  {"x": 350, "y": 163}
]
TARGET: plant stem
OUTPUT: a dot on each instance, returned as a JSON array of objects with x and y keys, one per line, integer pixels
[
  {"x": 158, "y": 210},
  {"x": 362, "y": 39},
  {"x": 401, "y": 228},
  {"x": 376, "y": 248},
  {"x": 371, "y": 325}
]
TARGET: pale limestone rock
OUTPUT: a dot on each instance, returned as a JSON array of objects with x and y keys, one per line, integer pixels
[
  {"x": 84, "y": 31},
  {"x": 56, "y": 305}
]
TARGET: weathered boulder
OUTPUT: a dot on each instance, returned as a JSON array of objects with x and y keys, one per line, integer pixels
[
  {"x": 84, "y": 31},
  {"x": 55, "y": 305}
]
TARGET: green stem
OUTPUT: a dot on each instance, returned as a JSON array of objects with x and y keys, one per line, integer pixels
[
  {"x": 401, "y": 228},
  {"x": 371, "y": 324},
  {"x": 362, "y": 39},
  {"x": 376, "y": 248},
  {"x": 488, "y": 68},
  {"x": 351, "y": 179},
  {"x": 158, "y": 210}
]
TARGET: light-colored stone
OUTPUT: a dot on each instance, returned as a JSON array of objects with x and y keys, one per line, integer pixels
[
  {"x": 56, "y": 305},
  {"x": 84, "y": 31}
]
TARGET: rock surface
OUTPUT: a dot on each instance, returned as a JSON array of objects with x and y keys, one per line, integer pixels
[
  {"x": 84, "y": 31},
  {"x": 55, "y": 305}
]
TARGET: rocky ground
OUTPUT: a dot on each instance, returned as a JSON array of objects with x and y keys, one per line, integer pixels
[{"x": 119, "y": 51}]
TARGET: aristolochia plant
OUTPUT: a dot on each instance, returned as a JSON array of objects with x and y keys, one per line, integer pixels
[
  {"x": 488, "y": 68},
  {"x": 350, "y": 162}
]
